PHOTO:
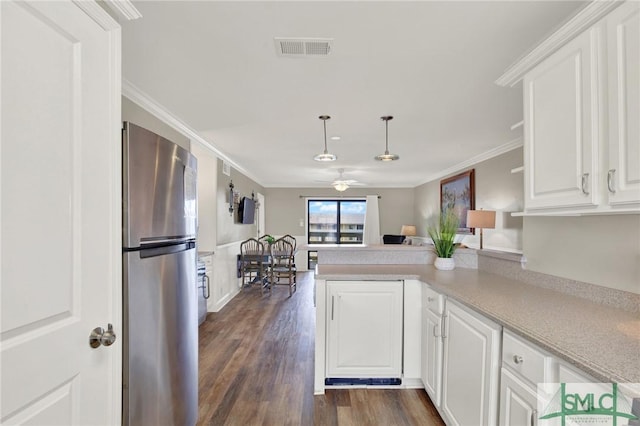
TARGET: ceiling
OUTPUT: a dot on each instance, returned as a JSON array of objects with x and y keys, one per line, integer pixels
[{"x": 429, "y": 64}]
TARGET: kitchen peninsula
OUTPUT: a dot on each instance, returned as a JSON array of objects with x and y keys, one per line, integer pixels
[{"x": 566, "y": 335}]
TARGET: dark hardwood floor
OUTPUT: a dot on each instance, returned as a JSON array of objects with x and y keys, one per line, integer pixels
[{"x": 256, "y": 368}]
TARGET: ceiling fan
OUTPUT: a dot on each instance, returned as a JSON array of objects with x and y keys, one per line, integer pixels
[{"x": 341, "y": 184}]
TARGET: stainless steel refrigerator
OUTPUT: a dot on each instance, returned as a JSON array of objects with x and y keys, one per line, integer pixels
[{"x": 160, "y": 352}]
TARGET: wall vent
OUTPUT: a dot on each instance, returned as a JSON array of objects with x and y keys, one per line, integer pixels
[{"x": 299, "y": 47}]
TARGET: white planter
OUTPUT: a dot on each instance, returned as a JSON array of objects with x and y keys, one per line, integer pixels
[{"x": 444, "y": 263}]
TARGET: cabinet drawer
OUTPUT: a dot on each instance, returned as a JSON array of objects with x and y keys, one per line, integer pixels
[
  {"x": 432, "y": 300},
  {"x": 524, "y": 358}
]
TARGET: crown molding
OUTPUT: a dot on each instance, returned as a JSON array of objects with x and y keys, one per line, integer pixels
[
  {"x": 137, "y": 96},
  {"x": 124, "y": 8},
  {"x": 98, "y": 14},
  {"x": 586, "y": 17},
  {"x": 509, "y": 146}
]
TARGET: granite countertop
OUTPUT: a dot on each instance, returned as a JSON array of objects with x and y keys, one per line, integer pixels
[{"x": 599, "y": 340}]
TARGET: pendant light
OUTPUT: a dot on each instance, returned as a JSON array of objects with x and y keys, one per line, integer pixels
[
  {"x": 386, "y": 156},
  {"x": 325, "y": 156}
]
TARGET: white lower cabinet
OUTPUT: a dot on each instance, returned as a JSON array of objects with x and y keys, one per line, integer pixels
[
  {"x": 524, "y": 367},
  {"x": 432, "y": 354},
  {"x": 518, "y": 401},
  {"x": 364, "y": 329},
  {"x": 470, "y": 370}
]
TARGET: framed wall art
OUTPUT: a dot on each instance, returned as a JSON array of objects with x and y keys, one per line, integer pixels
[{"x": 457, "y": 193}]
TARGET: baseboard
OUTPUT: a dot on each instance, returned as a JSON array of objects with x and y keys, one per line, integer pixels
[{"x": 221, "y": 304}]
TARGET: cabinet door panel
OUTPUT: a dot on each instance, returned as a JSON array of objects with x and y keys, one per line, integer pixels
[
  {"x": 470, "y": 367},
  {"x": 623, "y": 38},
  {"x": 431, "y": 355},
  {"x": 518, "y": 402},
  {"x": 561, "y": 118},
  {"x": 365, "y": 329}
]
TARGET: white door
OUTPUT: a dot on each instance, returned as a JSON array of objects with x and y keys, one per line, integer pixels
[
  {"x": 470, "y": 373},
  {"x": 364, "y": 329},
  {"x": 623, "y": 38},
  {"x": 60, "y": 214}
]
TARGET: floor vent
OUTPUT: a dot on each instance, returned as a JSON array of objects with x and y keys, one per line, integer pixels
[{"x": 299, "y": 47}]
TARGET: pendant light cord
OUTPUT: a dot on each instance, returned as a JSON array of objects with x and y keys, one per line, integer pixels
[
  {"x": 386, "y": 145},
  {"x": 324, "y": 122}
]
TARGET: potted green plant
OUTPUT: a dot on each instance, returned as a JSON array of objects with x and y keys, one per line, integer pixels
[{"x": 442, "y": 230}]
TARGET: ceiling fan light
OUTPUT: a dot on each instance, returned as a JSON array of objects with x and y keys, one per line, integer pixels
[
  {"x": 325, "y": 156},
  {"x": 340, "y": 186},
  {"x": 386, "y": 156}
]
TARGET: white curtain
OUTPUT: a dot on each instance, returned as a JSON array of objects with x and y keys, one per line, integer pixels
[{"x": 372, "y": 221}]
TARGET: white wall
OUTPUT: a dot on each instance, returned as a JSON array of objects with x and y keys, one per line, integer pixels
[
  {"x": 601, "y": 250},
  {"x": 496, "y": 188},
  {"x": 207, "y": 197}
]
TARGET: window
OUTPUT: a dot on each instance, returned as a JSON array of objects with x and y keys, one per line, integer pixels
[{"x": 334, "y": 222}]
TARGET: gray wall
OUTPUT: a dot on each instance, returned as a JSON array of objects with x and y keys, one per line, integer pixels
[
  {"x": 284, "y": 207},
  {"x": 496, "y": 188},
  {"x": 601, "y": 250},
  {"x": 137, "y": 115},
  {"x": 228, "y": 230}
]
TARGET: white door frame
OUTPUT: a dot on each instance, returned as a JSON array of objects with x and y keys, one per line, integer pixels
[{"x": 108, "y": 123}]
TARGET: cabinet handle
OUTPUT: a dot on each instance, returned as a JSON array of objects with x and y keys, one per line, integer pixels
[
  {"x": 435, "y": 326},
  {"x": 610, "y": 176},
  {"x": 585, "y": 179},
  {"x": 208, "y": 292},
  {"x": 534, "y": 417},
  {"x": 332, "y": 304},
  {"x": 442, "y": 327},
  {"x": 430, "y": 299},
  {"x": 518, "y": 359}
]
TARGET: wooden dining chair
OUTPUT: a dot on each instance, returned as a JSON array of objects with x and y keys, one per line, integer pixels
[
  {"x": 281, "y": 271},
  {"x": 293, "y": 242},
  {"x": 252, "y": 264}
]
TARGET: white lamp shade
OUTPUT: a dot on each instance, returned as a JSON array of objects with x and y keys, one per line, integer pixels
[
  {"x": 481, "y": 219},
  {"x": 408, "y": 230}
]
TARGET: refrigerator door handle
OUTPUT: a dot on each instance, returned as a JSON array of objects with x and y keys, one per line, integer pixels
[{"x": 164, "y": 241}]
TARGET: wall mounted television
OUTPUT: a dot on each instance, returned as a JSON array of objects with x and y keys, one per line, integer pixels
[{"x": 246, "y": 211}]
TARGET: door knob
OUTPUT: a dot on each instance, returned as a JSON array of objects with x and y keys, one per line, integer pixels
[{"x": 99, "y": 337}]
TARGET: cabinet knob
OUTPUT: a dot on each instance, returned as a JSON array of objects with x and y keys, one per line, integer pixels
[{"x": 518, "y": 359}]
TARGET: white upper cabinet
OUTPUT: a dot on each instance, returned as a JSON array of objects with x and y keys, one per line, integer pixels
[
  {"x": 623, "y": 47},
  {"x": 581, "y": 109},
  {"x": 561, "y": 127}
]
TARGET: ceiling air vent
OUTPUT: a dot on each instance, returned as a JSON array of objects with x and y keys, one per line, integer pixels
[{"x": 299, "y": 47}]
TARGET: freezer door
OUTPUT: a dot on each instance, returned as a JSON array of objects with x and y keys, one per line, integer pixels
[
  {"x": 160, "y": 368},
  {"x": 159, "y": 193}
]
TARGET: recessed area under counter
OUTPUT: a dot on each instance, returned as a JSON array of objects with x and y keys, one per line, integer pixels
[{"x": 599, "y": 340}]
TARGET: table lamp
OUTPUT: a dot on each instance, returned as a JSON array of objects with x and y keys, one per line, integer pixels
[
  {"x": 481, "y": 219},
  {"x": 408, "y": 231}
]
